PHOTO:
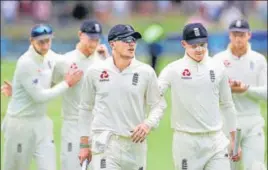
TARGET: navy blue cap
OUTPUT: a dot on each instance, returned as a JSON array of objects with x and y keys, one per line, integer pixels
[
  {"x": 122, "y": 31},
  {"x": 195, "y": 33},
  {"x": 92, "y": 28},
  {"x": 42, "y": 31},
  {"x": 239, "y": 25}
]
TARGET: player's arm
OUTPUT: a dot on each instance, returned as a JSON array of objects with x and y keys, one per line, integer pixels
[
  {"x": 157, "y": 106},
  {"x": 227, "y": 105},
  {"x": 58, "y": 71},
  {"x": 259, "y": 92},
  {"x": 85, "y": 115},
  {"x": 156, "y": 101},
  {"x": 31, "y": 83},
  {"x": 164, "y": 80}
]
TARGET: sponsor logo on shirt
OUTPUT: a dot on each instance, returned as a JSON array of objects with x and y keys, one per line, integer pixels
[
  {"x": 104, "y": 76},
  {"x": 186, "y": 74},
  {"x": 227, "y": 63}
]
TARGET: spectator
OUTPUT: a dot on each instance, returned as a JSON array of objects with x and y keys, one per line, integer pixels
[
  {"x": 121, "y": 9},
  {"x": 41, "y": 10},
  {"x": 261, "y": 7},
  {"x": 9, "y": 10}
]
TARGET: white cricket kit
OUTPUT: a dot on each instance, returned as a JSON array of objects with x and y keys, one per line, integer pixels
[
  {"x": 27, "y": 130},
  {"x": 113, "y": 103},
  {"x": 71, "y": 99},
  {"x": 251, "y": 69},
  {"x": 197, "y": 89}
]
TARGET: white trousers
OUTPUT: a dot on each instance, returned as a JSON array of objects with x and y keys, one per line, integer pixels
[
  {"x": 70, "y": 140},
  {"x": 207, "y": 151},
  {"x": 252, "y": 142},
  {"x": 27, "y": 138},
  {"x": 120, "y": 153}
]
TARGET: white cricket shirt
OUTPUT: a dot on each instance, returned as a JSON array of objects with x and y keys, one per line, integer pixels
[
  {"x": 31, "y": 84},
  {"x": 71, "y": 98},
  {"x": 251, "y": 69},
  {"x": 197, "y": 89},
  {"x": 117, "y": 100}
]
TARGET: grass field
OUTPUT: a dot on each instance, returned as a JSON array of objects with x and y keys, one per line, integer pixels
[{"x": 159, "y": 154}]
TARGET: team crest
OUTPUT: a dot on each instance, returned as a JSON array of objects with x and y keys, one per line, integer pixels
[
  {"x": 212, "y": 75},
  {"x": 251, "y": 65},
  {"x": 238, "y": 23},
  {"x": 103, "y": 163},
  {"x": 49, "y": 65},
  {"x": 184, "y": 164},
  {"x": 135, "y": 79},
  {"x": 196, "y": 32}
]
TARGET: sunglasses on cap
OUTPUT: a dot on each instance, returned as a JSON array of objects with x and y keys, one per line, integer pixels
[
  {"x": 128, "y": 39},
  {"x": 41, "y": 30}
]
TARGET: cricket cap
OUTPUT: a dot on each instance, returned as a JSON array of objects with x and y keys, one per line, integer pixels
[
  {"x": 122, "y": 31},
  {"x": 239, "y": 25},
  {"x": 41, "y": 31},
  {"x": 92, "y": 28},
  {"x": 195, "y": 33}
]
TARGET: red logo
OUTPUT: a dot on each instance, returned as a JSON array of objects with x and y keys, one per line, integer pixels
[
  {"x": 226, "y": 63},
  {"x": 74, "y": 66},
  {"x": 186, "y": 74},
  {"x": 104, "y": 76}
]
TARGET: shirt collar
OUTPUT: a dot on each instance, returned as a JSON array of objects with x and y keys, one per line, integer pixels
[
  {"x": 83, "y": 56},
  {"x": 36, "y": 56},
  {"x": 188, "y": 59},
  {"x": 236, "y": 57},
  {"x": 110, "y": 60}
]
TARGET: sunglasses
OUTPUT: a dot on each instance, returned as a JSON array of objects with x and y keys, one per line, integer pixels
[
  {"x": 41, "y": 30},
  {"x": 202, "y": 45},
  {"x": 128, "y": 39}
]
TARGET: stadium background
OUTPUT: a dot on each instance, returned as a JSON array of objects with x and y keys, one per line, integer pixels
[{"x": 17, "y": 18}]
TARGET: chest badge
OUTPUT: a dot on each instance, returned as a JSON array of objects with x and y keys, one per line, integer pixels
[
  {"x": 135, "y": 79},
  {"x": 251, "y": 65},
  {"x": 212, "y": 75}
]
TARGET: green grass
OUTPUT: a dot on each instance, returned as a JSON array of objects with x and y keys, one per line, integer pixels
[{"x": 159, "y": 143}]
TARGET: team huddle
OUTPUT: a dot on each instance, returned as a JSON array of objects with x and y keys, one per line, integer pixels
[{"x": 105, "y": 99}]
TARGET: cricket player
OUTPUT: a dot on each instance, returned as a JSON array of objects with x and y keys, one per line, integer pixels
[
  {"x": 85, "y": 54},
  {"x": 247, "y": 70},
  {"x": 198, "y": 86},
  {"x": 112, "y": 117},
  {"x": 28, "y": 132}
]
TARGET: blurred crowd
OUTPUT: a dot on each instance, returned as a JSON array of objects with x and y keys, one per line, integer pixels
[{"x": 62, "y": 11}]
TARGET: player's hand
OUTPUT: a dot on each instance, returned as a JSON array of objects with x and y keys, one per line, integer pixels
[
  {"x": 73, "y": 76},
  {"x": 140, "y": 132},
  {"x": 236, "y": 157},
  {"x": 102, "y": 50},
  {"x": 238, "y": 86},
  {"x": 85, "y": 153},
  {"x": 6, "y": 89}
]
